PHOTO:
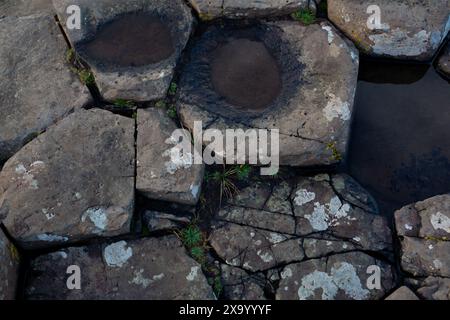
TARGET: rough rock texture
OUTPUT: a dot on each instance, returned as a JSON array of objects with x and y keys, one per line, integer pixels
[
  {"x": 402, "y": 293},
  {"x": 236, "y": 9},
  {"x": 22, "y": 8},
  {"x": 73, "y": 182},
  {"x": 164, "y": 171},
  {"x": 443, "y": 64},
  {"x": 9, "y": 268},
  {"x": 408, "y": 29},
  {"x": 266, "y": 226},
  {"x": 159, "y": 221},
  {"x": 144, "y": 83},
  {"x": 135, "y": 270},
  {"x": 424, "y": 231},
  {"x": 29, "y": 104},
  {"x": 239, "y": 285},
  {"x": 312, "y": 112},
  {"x": 337, "y": 277}
]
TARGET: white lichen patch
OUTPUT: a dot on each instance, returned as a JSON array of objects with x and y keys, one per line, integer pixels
[
  {"x": 286, "y": 273},
  {"x": 275, "y": 238},
  {"x": 195, "y": 189},
  {"x": 28, "y": 176},
  {"x": 139, "y": 279},
  {"x": 51, "y": 238},
  {"x": 117, "y": 254},
  {"x": 328, "y": 215},
  {"x": 98, "y": 216},
  {"x": 437, "y": 264},
  {"x": 193, "y": 273},
  {"x": 266, "y": 256},
  {"x": 303, "y": 196},
  {"x": 342, "y": 278},
  {"x": 179, "y": 158},
  {"x": 336, "y": 108},
  {"x": 398, "y": 42},
  {"x": 440, "y": 221},
  {"x": 330, "y": 34},
  {"x": 408, "y": 227}
]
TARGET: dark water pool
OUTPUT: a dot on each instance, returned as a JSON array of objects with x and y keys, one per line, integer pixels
[
  {"x": 400, "y": 142},
  {"x": 132, "y": 40}
]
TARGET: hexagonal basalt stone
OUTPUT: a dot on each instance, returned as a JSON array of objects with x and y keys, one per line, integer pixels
[
  {"x": 407, "y": 29},
  {"x": 424, "y": 232},
  {"x": 314, "y": 217},
  {"x": 73, "y": 182},
  {"x": 132, "y": 46},
  {"x": 236, "y": 9},
  {"x": 281, "y": 75},
  {"x": 9, "y": 268},
  {"x": 338, "y": 277},
  {"x": 164, "y": 173},
  {"x": 37, "y": 87},
  {"x": 146, "y": 269},
  {"x": 443, "y": 64}
]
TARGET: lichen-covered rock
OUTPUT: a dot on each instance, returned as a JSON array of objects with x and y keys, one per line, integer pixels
[
  {"x": 9, "y": 268},
  {"x": 169, "y": 31},
  {"x": 37, "y": 87},
  {"x": 406, "y": 29},
  {"x": 21, "y": 8},
  {"x": 73, "y": 182},
  {"x": 402, "y": 293},
  {"x": 338, "y": 277},
  {"x": 306, "y": 90},
  {"x": 443, "y": 64},
  {"x": 146, "y": 269},
  {"x": 434, "y": 288},
  {"x": 164, "y": 172},
  {"x": 236, "y": 9},
  {"x": 266, "y": 226},
  {"x": 424, "y": 231}
]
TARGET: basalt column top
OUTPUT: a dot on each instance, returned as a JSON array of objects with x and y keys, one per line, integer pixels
[
  {"x": 281, "y": 75},
  {"x": 131, "y": 46}
]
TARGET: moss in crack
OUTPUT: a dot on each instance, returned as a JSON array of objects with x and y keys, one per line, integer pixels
[
  {"x": 173, "y": 89},
  {"x": 123, "y": 103},
  {"x": 335, "y": 154},
  {"x": 305, "y": 16}
]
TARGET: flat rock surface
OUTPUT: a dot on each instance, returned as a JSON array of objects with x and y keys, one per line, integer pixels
[
  {"x": 402, "y": 293},
  {"x": 29, "y": 104},
  {"x": 337, "y": 277},
  {"x": 235, "y": 9},
  {"x": 73, "y": 182},
  {"x": 424, "y": 230},
  {"x": 444, "y": 61},
  {"x": 126, "y": 78},
  {"x": 407, "y": 29},
  {"x": 268, "y": 226},
  {"x": 313, "y": 109},
  {"x": 146, "y": 269},
  {"x": 22, "y": 8},
  {"x": 164, "y": 172},
  {"x": 9, "y": 268}
]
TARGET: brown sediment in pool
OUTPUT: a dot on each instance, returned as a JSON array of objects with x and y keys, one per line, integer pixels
[
  {"x": 246, "y": 74},
  {"x": 132, "y": 40}
]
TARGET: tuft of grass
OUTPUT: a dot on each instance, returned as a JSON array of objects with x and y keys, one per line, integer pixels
[
  {"x": 191, "y": 236},
  {"x": 173, "y": 89},
  {"x": 305, "y": 16},
  {"x": 198, "y": 253},
  {"x": 70, "y": 55},
  {"x": 161, "y": 104},
  {"x": 14, "y": 253},
  {"x": 243, "y": 171},
  {"x": 123, "y": 103},
  {"x": 172, "y": 112}
]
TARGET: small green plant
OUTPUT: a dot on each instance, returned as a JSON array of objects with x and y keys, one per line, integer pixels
[
  {"x": 86, "y": 77},
  {"x": 124, "y": 103},
  {"x": 243, "y": 171},
  {"x": 336, "y": 155},
  {"x": 191, "y": 236},
  {"x": 225, "y": 179},
  {"x": 198, "y": 253},
  {"x": 172, "y": 112},
  {"x": 173, "y": 89},
  {"x": 134, "y": 116},
  {"x": 305, "y": 16}
]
